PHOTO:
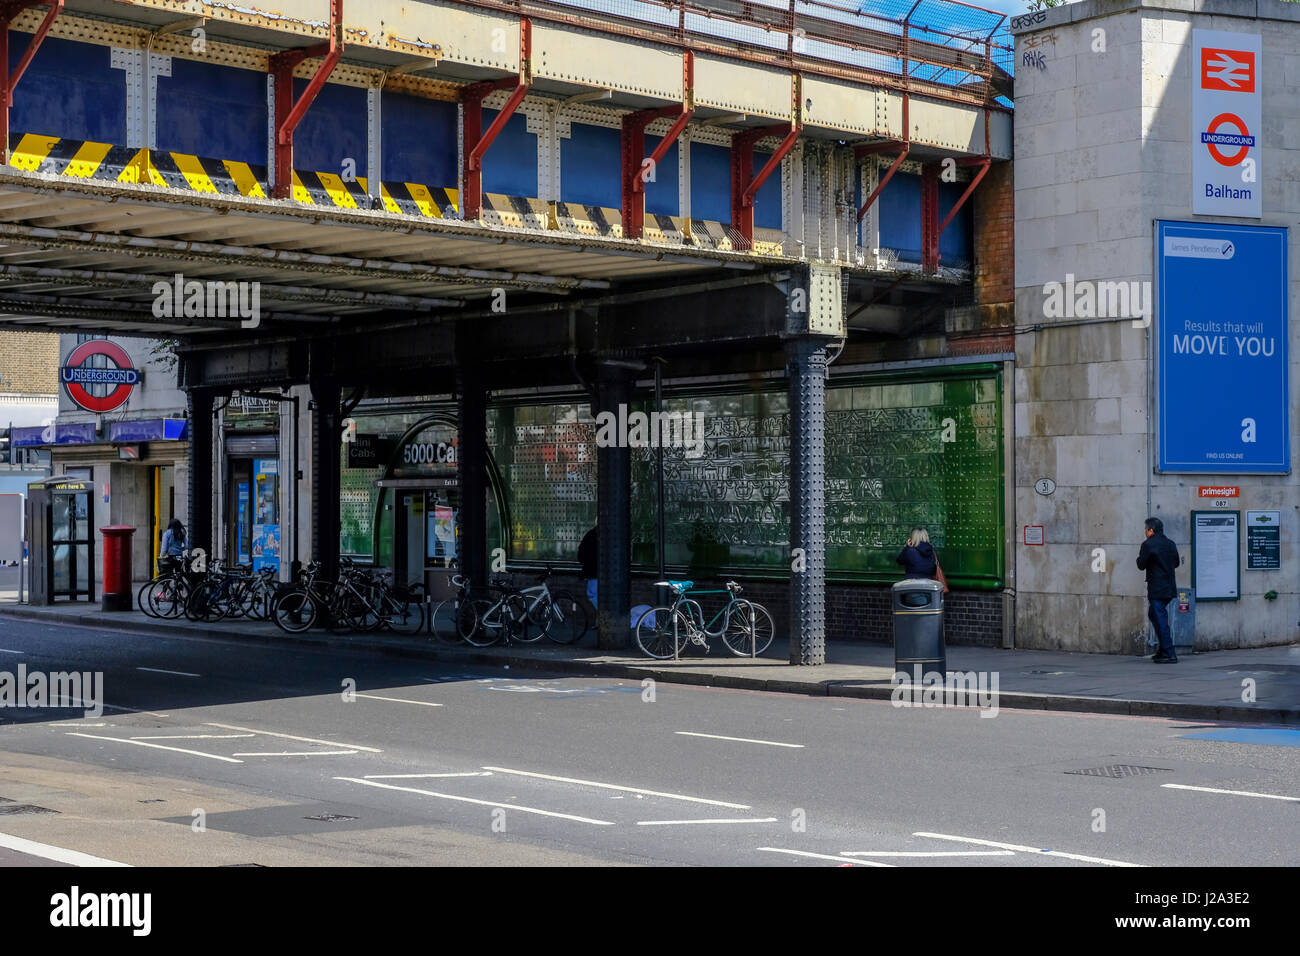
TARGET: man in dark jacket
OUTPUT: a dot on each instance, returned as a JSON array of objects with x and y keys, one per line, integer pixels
[
  {"x": 589, "y": 557},
  {"x": 1158, "y": 557}
]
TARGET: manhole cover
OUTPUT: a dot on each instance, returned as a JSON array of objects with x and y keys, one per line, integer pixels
[
  {"x": 155, "y": 800},
  {"x": 13, "y": 809},
  {"x": 1120, "y": 770},
  {"x": 231, "y": 866},
  {"x": 331, "y": 817}
]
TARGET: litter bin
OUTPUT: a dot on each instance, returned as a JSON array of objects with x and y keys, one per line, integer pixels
[
  {"x": 918, "y": 627},
  {"x": 117, "y": 594}
]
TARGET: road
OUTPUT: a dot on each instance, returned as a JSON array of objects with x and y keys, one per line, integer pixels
[{"x": 213, "y": 752}]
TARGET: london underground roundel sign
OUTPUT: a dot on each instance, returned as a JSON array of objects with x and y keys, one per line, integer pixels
[{"x": 101, "y": 387}]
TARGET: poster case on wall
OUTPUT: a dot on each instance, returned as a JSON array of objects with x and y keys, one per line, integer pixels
[{"x": 1216, "y": 550}]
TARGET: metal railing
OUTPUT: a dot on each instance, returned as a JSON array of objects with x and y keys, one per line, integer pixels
[{"x": 949, "y": 49}]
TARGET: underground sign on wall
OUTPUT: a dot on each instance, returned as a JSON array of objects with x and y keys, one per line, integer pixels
[{"x": 98, "y": 375}]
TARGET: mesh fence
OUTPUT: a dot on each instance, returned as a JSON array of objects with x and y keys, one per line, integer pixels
[{"x": 954, "y": 47}]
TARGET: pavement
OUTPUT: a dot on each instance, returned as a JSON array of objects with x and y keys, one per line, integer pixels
[{"x": 1255, "y": 685}]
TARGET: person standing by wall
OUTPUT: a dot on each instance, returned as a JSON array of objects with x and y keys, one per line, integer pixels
[
  {"x": 588, "y": 557},
  {"x": 1158, "y": 556},
  {"x": 917, "y": 557}
]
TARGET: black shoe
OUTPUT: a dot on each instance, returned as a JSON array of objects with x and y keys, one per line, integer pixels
[{"x": 1165, "y": 660}]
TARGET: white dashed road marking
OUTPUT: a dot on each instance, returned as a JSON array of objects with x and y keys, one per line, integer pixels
[
  {"x": 842, "y": 860},
  {"x": 614, "y": 786},
  {"x": 1026, "y": 849},
  {"x": 306, "y": 740},
  {"x": 482, "y": 803},
  {"x": 398, "y": 700},
  {"x": 157, "y": 670},
  {"x": 1231, "y": 793},
  {"x": 740, "y": 740},
  {"x": 56, "y": 853},
  {"x": 142, "y": 743}
]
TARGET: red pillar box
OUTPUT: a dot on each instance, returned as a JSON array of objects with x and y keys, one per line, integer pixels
[{"x": 117, "y": 567}]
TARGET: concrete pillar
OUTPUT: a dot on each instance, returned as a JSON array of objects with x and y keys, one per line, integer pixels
[
  {"x": 325, "y": 476},
  {"x": 198, "y": 532},
  {"x": 614, "y": 381},
  {"x": 472, "y": 455},
  {"x": 807, "y": 371}
]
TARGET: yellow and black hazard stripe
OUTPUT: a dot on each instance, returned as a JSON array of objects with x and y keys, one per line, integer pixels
[
  {"x": 588, "y": 220},
  {"x": 518, "y": 212},
  {"x": 82, "y": 159}
]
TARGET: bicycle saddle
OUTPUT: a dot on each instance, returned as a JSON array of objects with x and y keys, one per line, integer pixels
[{"x": 677, "y": 585}]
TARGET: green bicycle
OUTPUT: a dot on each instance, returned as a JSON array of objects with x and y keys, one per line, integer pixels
[{"x": 745, "y": 627}]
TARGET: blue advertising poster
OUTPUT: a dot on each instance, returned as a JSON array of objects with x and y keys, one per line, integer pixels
[
  {"x": 242, "y": 523},
  {"x": 1224, "y": 400}
]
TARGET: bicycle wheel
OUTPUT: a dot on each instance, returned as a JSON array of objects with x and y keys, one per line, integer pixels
[
  {"x": 519, "y": 622},
  {"x": 442, "y": 621},
  {"x": 142, "y": 598},
  {"x": 748, "y": 623},
  {"x": 404, "y": 616},
  {"x": 467, "y": 612},
  {"x": 483, "y": 626},
  {"x": 295, "y": 611},
  {"x": 661, "y": 632},
  {"x": 569, "y": 619},
  {"x": 167, "y": 597}
]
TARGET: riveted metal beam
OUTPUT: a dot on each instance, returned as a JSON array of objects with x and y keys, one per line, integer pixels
[
  {"x": 8, "y": 11},
  {"x": 288, "y": 111},
  {"x": 476, "y": 142},
  {"x": 637, "y": 167}
]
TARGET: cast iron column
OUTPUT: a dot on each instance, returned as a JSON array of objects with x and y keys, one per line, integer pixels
[
  {"x": 326, "y": 439},
  {"x": 614, "y": 380},
  {"x": 472, "y": 460},
  {"x": 807, "y": 369},
  {"x": 198, "y": 533}
]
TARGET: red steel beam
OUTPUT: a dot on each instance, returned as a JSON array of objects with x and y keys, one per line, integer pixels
[
  {"x": 930, "y": 217},
  {"x": 477, "y": 142},
  {"x": 8, "y": 11},
  {"x": 884, "y": 181},
  {"x": 288, "y": 113},
  {"x": 636, "y": 169}
]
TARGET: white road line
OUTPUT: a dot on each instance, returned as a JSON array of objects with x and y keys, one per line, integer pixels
[
  {"x": 676, "y": 823},
  {"x": 1231, "y": 793},
  {"x": 187, "y": 736},
  {"x": 742, "y": 740},
  {"x": 928, "y": 853},
  {"x": 56, "y": 853},
  {"x": 823, "y": 856},
  {"x": 416, "y": 776},
  {"x": 141, "y": 743},
  {"x": 1026, "y": 849},
  {"x": 614, "y": 786},
  {"x": 159, "y": 670},
  {"x": 483, "y": 803},
  {"x": 300, "y": 753},
  {"x": 306, "y": 740},
  {"x": 5, "y": 650},
  {"x": 399, "y": 700}
]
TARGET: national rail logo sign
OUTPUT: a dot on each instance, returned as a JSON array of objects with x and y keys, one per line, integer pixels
[
  {"x": 1226, "y": 120},
  {"x": 98, "y": 375}
]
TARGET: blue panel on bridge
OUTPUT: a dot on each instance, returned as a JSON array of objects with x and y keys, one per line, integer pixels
[
  {"x": 711, "y": 187},
  {"x": 419, "y": 140},
  {"x": 590, "y": 160},
  {"x": 70, "y": 90},
  {"x": 590, "y": 164},
  {"x": 333, "y": 130},
  {"x": 510, "y": 166},
  {"x": 900, "y": 220},
  {"x": 213, "y": 111}
]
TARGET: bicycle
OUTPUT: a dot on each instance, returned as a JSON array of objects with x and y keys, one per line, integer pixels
[
  {"x": 559, "y": 616},
  {"x": 746, "y": 627},
  {"x": 367, "y": 601},
  {"x": 165, "y": 595}
]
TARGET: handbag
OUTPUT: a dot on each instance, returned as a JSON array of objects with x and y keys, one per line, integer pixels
[{"x": 939, "y": 575}]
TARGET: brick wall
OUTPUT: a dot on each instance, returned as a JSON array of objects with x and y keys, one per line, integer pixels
[
  {"x": 29, "y": 362},
  {"x": 995, "y": 234},
  {"x": 854, "y": 612}
]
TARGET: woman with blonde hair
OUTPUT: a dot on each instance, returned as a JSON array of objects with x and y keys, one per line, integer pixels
[{"x": 917, "y": 557}]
